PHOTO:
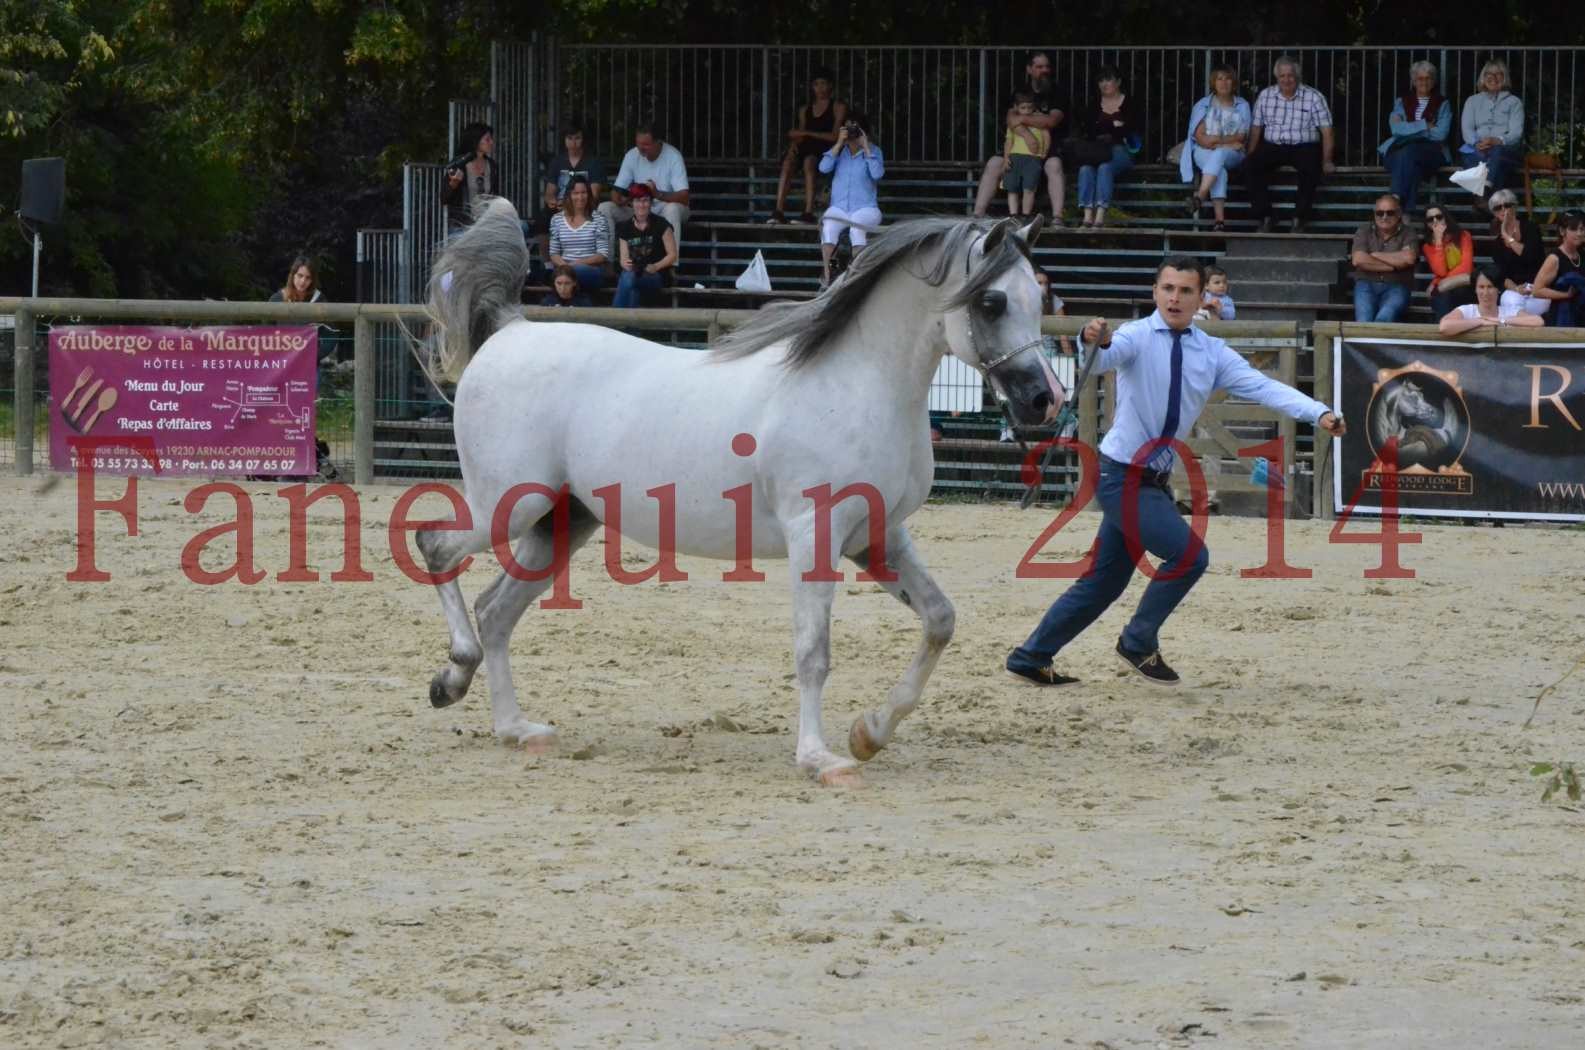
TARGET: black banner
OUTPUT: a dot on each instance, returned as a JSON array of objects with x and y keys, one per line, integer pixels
[{"x": 1474, "y": 432}]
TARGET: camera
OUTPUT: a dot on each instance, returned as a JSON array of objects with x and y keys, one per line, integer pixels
[
  {"x": 853, "y": 129},
  {"x": 462, "y": 160}
]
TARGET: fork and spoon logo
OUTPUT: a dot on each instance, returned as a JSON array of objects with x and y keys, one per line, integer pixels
[{"x": 105, "y": 402}]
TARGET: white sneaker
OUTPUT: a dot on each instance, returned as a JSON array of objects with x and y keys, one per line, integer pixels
[{"x": 1007, "y": 435}]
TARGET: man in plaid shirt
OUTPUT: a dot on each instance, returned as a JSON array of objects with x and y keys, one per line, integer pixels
[{"x": 1292, "y": 128}]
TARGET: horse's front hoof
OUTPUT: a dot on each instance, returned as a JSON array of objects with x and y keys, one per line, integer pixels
[
  {"x": 439, "y": 695},
  {"x": 860, "y": 743},
  {"x": 842, "y": 777}
]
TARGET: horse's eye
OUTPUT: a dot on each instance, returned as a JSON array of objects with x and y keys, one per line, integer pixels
[{"x": 993, "y": 304}]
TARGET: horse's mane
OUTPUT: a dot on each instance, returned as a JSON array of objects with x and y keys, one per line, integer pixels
[{"x": 811, "y": 325}]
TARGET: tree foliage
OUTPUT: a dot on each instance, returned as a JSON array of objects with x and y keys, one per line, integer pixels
[{"x": 209, "y": 141}]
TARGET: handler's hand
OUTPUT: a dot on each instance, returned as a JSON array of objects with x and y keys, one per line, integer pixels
[
  {"x": 1332, "y": 424},
  {"x": 1097, "y": 332}
]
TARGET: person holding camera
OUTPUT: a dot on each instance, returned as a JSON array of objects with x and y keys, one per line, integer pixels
[
  {"x": 855, "y": 166},
  {"x": 470, "y": 175},
  {"x": 646, "y": 249}
]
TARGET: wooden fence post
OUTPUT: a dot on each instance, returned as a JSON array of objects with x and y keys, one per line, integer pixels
[{"x": 23, "y": 394}]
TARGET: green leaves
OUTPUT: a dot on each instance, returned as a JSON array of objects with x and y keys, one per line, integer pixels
[{"x": 1563, "y": 777}]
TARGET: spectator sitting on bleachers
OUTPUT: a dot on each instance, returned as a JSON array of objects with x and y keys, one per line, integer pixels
[
  {"x": 1050, "y": 116},
  {"x": 1487, "y": 309},
  {"x": 302, "y": 283},
  {"x": 1023, "y": 153},
  {"x": 813, "y": 132},
  {"x": 647, "y": 250},
  {"x": 1112, "y": 121},
  {"x": 580, "y": 240},
  {"x": 1493, "y": 127},
  {"x": 471, "y": 175},
  {"x": 1218, "y": 135},
  {"x": 855, "y": 165},
  {"x": 572, "y": 160},
  {"x": 1559, "y": 276},
  {"x": 564, "y": 289},
  {"x": 1420, "y": 123},
  {"x": 1217, "y": 299},
  {"x": 1384, "y": 255},
  {"x": 1450, "y": 252},
  {"x": 1518, "y": 254},
  {"x": 659, "y": 166},
  {"x": 1291, "y": 127}
]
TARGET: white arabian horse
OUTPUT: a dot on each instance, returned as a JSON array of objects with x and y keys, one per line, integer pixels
[{"x": 829, "y": 392}]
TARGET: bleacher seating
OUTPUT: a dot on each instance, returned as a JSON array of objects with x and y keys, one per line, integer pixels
[{"x": 1107, "y": 271}]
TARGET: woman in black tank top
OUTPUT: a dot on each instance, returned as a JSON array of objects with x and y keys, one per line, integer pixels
[
  {"x": 813, "y": 134},
  {"x": 1552, "y": 279}
]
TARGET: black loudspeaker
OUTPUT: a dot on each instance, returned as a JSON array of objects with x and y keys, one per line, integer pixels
[{"x": 44, "y": 189}]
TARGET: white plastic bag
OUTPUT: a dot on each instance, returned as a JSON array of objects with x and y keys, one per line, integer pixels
[
  {"x": 1472, "y": 179},
  {"x": 756, "y": 278}
]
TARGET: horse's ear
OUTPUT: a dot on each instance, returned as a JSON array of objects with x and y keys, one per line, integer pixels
[
  {"x": 993, "y": 239},
  {"x": 1029, "y": 234}
]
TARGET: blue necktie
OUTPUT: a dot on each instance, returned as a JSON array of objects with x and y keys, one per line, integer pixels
[{"x": 1174, "y": 395}]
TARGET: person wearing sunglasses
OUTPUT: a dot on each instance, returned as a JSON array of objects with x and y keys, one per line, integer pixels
[
  {"x": 1518, "y": 254},
  {"x": 1384, "y": 253},
  {"x": 1450, "y": 252}
]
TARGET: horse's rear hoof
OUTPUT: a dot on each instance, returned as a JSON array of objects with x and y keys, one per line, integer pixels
[
  {"x": 842, "y": 777},
  {"x": 438, "y": 695},
  {"x": 860, "y": 744}
]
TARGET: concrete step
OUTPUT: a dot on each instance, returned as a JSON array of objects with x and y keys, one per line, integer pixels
[
  {"x": 1287, "y": 245},
  {"x": 1280, "y": 268},
  {"x": 1282, "y": 292}
]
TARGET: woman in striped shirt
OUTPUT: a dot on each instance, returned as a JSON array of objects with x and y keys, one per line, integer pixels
[{"x": 579, "y": 238}]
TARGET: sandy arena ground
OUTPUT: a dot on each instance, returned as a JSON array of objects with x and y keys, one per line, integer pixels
[{"x": 231, "y": 818}]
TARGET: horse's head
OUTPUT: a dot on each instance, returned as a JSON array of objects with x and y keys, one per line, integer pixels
[
  {"x": 995, "y": 325},
  {"x": 1412, "y": 406}
]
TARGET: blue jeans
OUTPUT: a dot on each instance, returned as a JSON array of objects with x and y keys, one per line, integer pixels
[
  {"x": 1097, "y": 180},
  {"x": 590, "y": 278},
  {"x": 1161, "y": 530},
  {"x": 1218, "y": 162},
  {"x": 632, "y": 284},
  {"x": 1408, "y": 164},
  {"x": 1382, "y": 301},
  {"x": 1500, "y": 160}
]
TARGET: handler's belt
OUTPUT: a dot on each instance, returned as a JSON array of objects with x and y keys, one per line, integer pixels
[{"x": 1161, "y": 479}]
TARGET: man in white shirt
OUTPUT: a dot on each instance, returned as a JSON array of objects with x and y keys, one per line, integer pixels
[
  {"x": 1166, "y": 370},
  {"x": 659, "y": 166}
]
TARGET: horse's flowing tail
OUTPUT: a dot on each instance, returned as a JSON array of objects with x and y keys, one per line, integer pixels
[{"x": 476, "y": 284}]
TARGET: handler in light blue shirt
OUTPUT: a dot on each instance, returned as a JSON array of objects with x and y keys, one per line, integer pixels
[{"x": 1166, "y": 369}]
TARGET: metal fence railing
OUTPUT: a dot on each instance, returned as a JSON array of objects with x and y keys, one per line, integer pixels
[
  {"x": 424, "y": 222},
  {"x": 515, "y": 88},
  {"x": 944, "y": 104}
]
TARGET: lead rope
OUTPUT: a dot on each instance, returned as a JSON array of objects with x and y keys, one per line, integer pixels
[{"x": 1067, "y": 416}]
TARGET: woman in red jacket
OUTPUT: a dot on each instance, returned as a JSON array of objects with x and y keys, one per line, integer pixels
[{"x": 1451, "y": 253}]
